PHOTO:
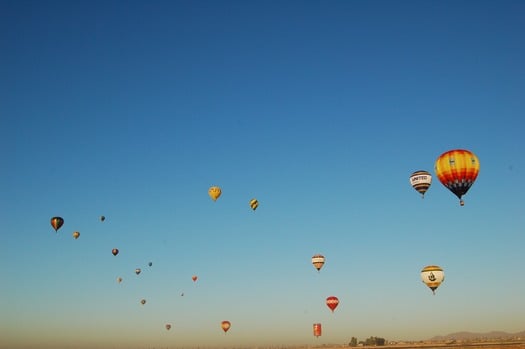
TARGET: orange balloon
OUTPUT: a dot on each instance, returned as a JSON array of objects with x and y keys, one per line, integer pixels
[
  {"x": 194, "y": 278},
  {"x": 225, "y": 325}
]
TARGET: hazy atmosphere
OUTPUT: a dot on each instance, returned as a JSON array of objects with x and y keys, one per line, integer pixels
[{"x": 320, "y": 110}]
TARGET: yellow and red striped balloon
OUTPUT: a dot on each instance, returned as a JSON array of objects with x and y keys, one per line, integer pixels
[{"x": 457, "y": 170}]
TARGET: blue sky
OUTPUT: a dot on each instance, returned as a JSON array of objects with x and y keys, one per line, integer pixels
[{"x": 320, "y": 110}]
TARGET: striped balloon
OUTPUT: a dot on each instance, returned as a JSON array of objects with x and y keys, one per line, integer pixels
[
  {"x": 432, "y": 276},
  {"x": 254, "y": 204},
  {"x": 420, "y": 181},
  {"x": 457, "y": 170},
  {"x": 318, "y": 261}
]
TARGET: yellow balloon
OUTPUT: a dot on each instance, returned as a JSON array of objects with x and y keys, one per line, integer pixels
[
  {"x": 254, "y": 204},
  {"x": 432, "y": 276},
  {"x": 76, "y": 234},
  {"x": 214, "y": 193}
]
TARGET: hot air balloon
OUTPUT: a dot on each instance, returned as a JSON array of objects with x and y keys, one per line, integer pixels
[
  {"x": 142, "y": 301},
  {"x": 114, "y": 251},
  {"x": 57, "y": 222},
  {"x": 317, "y": 330},
  {"x": 214, "y": 193},
  {"x": 168, "y": 327},
  {"x": 332, "y": 302},
  {"x": 119, "y": 279},
  {"x": 137, "y": 271},
  {"x": 432, "y": 276},
  {"x": 150, "y": 264},
  {"x": 420, "y": 181},
  {"x": 194, "y": 278},
  {"x": 318, "y": 261},
  {"x": 225, "y": 325},
  {"x": 76, "y": 235},
  {"x": 102, "y": 218},
  {"x": 457, "y": 170},
  {"x": 254, "y": 204}
]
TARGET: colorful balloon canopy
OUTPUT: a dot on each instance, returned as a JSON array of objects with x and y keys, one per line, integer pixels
[
  {"x": 332, "y": 302},
  {"x": 76, "y": 234},
  {"x": 318, "y": 261},
  {"x": 137, "y": 271},
  {"x": 225, "y": 325},
  {"x": 57, "y": 222},
  {"x": 317, "y": 330},
  {"x": 214, "y": 193},
  {"x": 421, "y": 181},
  {"x": 457, "y": 170},
  {"x": 194, "y": 278},
  {"x": 114, "y": 251},
  {"x": 432, "y": 276},
  {"x": 254, "y": 204}
]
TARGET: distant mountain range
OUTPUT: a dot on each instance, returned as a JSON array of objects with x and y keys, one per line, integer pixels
[{"x": 474, "y": 336}]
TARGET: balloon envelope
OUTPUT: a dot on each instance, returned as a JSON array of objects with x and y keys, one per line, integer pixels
[
  {"x": 142, "y": 301},
  {"x": 332, "y": 302},
  {"x": 194, "y": 278},
  {"x": 57, "y": 222},
  {"x": 317, "y": 330},
  {"x": 254, "y": 204},
  {"x": 114, "y": 251},
  {"x": 119, "y": 279},
  {"x": 76, "y": 235},
  {"x": 318, "y": 261},
  {"x": 102, "y": 218},
  {"x": 214, "y": 193},
  {"x": 457, "y": 170},
  {"x": 432, "y": 276},
  {"x": 137, "y": 271},
  {"x": 168, "y": 327},
  {"x": 225, "y": 325},
  {"x": 421, "y": 181}
]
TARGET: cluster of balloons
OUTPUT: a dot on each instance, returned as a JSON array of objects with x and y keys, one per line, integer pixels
[
  {"x": 215, "y": 192},
  {"x": 456, "y": 169}
]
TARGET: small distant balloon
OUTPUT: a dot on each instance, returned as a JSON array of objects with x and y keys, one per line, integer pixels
[
  {"x": 168, "y": 327},
  {"x": 225, "y": 325},
  {"x": 317, "y": 330},
  {"x": 194, "y": 278},
  {"x": 432, "y": 276},
  {"x": 214, "y": 193},
  {"x": 119, "y": 279},
  {"x": 318, "y": 261},
  {"x": 137, "y": 271},
  {"x": 57, "y": 222},
  {"x": 332, "y": 302},
  {"x": 150, "y": 264},
  {"x": 142, "y": 301},
  {"x": 421, "y": 181},
  {"x": 76, "y": 235},
  {"x": 254, "y": 204},
  {"x": 102, "y": 218},
  {"x": 114, "y": 251}
]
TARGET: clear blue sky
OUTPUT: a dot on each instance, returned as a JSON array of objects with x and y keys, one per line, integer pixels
[{"x": 319, "y": 109}]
